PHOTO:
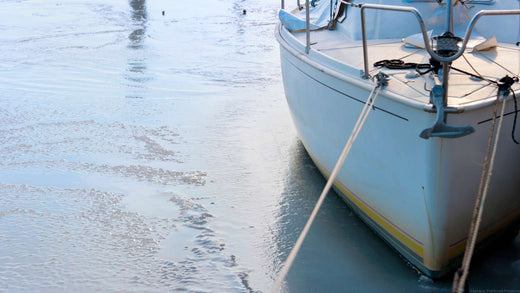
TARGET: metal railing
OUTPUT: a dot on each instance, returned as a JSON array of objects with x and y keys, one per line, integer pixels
[
  {"x": 422, "y": 25},
  {"x": 424, "y": 32}
]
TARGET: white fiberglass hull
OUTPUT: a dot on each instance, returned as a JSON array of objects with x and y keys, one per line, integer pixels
[{"x": 417, "y": 194}]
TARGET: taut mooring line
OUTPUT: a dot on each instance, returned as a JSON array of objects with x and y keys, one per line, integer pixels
[
  {"x": 382, "y": 80},
  {"x": 460, "y": 278}
]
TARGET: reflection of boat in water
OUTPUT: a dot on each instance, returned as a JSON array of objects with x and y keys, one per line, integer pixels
[{"x": 414, "y": 172}]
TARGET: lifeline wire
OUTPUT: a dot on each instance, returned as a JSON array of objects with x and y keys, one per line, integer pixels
[
  {"x": 357, "y": 128},
  {"x": 461, "y": 275}
]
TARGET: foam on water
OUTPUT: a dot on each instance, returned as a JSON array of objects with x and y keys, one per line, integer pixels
[
  {"x": 87, "y": 168},
  {"x": 86, "y": 240}
]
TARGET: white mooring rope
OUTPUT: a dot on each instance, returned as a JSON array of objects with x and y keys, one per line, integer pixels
[
  {"x": 357, "y": 128},
  {"x": 461, "y": 275}
]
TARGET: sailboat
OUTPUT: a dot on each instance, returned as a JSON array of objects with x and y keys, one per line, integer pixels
[{"x": 442, "y": 71}]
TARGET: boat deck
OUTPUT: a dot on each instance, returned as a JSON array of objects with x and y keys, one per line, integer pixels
[{"x": 464, "y": 90}]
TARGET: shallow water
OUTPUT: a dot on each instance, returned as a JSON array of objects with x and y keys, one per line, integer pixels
[{"x": 142, "y": 152}]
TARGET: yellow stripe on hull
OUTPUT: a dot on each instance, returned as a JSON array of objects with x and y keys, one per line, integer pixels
[
  {"x": 370, "y": 212},
  {"x": 458, "y": 247},
  {"x": 412, "y": 248}
]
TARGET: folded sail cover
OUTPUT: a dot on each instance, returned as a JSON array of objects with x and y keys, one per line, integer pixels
[{"x": 319, "y": 17}]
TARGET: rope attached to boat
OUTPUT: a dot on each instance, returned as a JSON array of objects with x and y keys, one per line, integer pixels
[
  {"x": 515, "y": 119},
  {"x": 504, "y": 84},
  {"x": 434, "y": 65},
  {"x": 382, "y": 80},
  {"x": 400, "y": 64},
  {"x": 459, "y": 280}
]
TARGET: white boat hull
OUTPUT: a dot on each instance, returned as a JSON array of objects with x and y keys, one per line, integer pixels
[{"x": 417, "y": 194}]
